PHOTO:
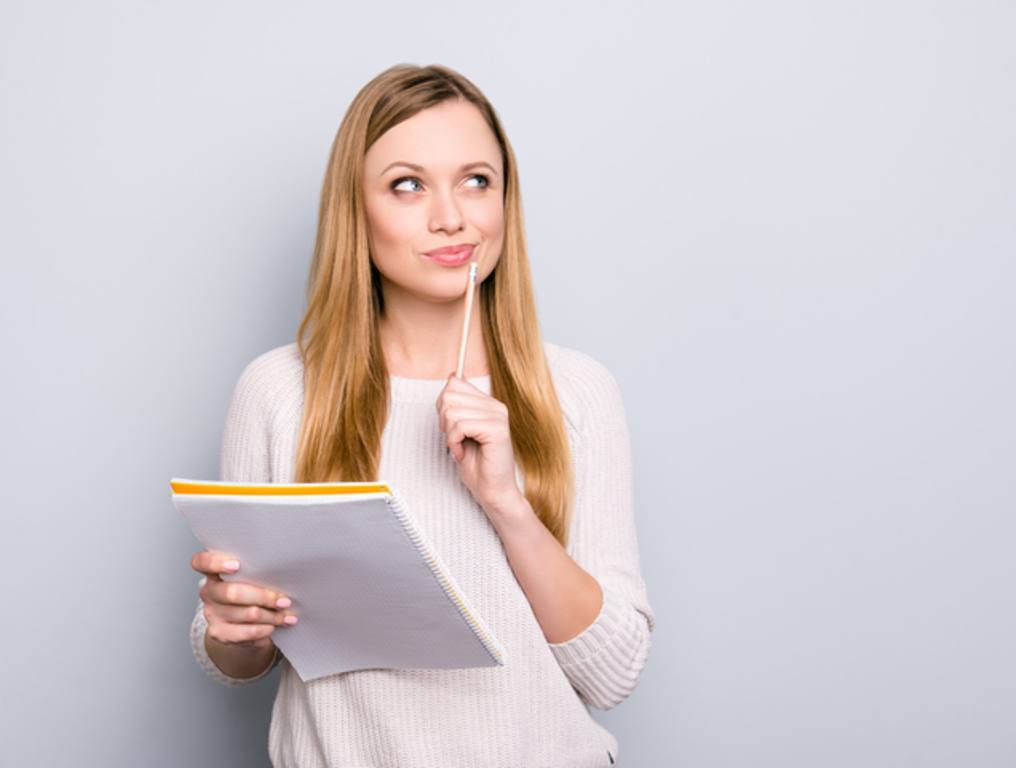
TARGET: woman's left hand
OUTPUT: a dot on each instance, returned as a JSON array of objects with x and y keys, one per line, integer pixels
[{"x": 476, "y": 431}]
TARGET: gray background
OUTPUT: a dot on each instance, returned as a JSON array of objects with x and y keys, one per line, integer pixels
[{"x": 787, "y": 228}]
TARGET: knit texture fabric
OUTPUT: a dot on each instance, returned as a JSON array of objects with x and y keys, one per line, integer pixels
[{"x": 535, "y": 710}]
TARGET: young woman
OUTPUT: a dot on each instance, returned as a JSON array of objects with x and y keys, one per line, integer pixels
[{"x": 519, "y": 472}]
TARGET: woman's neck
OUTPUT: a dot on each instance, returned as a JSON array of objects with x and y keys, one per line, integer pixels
[{"x": 421, "y": 339}]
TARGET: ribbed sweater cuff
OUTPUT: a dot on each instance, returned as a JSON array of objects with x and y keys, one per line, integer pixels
[{"x": 609, "y": 638}]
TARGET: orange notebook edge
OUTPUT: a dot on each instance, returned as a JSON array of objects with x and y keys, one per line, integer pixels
[{"x": 222, "y": 487}]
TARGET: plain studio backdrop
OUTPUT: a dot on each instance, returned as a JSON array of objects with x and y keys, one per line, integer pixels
[{"x": 787, "y": 228}]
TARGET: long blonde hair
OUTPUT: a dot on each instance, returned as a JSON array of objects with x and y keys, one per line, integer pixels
[{"x": 345, "y": 376}]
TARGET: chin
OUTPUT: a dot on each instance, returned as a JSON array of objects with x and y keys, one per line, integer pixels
[{"x": 452, "y": 288}]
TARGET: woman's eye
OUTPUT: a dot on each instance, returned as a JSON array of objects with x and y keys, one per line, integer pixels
[
  {"x": 398, "y": 182},
  {"x": 412, "y": 179}
]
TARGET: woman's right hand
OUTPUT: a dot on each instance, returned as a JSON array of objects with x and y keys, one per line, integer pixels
[{"x": 238, "y": 613}]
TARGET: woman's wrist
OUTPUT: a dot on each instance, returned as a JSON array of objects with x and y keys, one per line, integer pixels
[
  {"x": 240, "y": 661},
  {"x": 511, "y": 514}
]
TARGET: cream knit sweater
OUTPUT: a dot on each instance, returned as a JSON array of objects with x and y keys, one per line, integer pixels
[{"x": 534, "y": 711}]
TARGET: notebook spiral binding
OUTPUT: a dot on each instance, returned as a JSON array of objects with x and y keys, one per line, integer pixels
[{"x": 440, "y": 571}]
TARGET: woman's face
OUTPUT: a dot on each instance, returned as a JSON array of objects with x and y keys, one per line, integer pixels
[{"x": 453, "y": 197}]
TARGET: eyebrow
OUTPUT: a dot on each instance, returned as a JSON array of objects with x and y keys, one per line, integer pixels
[{"x": 421, "y": 169}]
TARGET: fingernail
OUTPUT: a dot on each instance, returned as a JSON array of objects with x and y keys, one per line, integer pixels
[
  {"x": 283, "y": 602},
  {"x": 290, "y": 620},
  {"x": 231, "y": 565}
]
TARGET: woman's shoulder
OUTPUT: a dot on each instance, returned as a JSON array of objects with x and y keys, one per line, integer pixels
[
  {"x": 272, "y": 377},
  {"x": 586, "y": 388},
  {"x": 573, "y": 362},
  {"x": 280, "y": 360}
]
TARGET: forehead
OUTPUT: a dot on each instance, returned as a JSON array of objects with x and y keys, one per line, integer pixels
[{"x": 440, "y": 138}]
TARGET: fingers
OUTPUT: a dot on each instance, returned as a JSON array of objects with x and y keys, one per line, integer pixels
[
  {"x": 244, "y": 624},
  {"x": 253, "y": 614},
  {"x": 449, "y": 416},
  {"x": 480, "y": 430},
  {"x": 242, "y": 593},
  {"x": 212, "y": 562},
  {"x": 238, "y": 612},
  {"x": 481, "y": 404},
  {"x": 462, "y": 400},
  {"x": 238, "y": 634}
]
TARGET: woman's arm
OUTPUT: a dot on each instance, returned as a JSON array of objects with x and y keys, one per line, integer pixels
[
  {"x": 590, "y": 600},
  {"x": 245, "y": 457},
  {"x": 565, "y": 598}
]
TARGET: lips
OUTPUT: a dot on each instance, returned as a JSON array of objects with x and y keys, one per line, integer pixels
[
  {"x": 451, "y": 255},
  {"x": 451, "y": 250}
]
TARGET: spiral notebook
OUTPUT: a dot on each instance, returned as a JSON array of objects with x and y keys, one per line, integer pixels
[{"x": 369, "y": 588}]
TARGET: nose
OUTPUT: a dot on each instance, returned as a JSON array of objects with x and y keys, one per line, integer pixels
[{"x": 444, "y": 213}]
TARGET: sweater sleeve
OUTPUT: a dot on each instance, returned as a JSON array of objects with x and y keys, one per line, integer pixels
[
  {"x": 245, "y": 457},
  {"x": 604, "y": 661}
]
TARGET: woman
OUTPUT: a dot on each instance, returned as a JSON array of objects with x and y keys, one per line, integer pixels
[{"x": 519, "y": 472}]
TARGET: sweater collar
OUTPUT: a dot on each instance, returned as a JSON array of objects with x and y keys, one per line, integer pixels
[{"x": 405, "y": 390}]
